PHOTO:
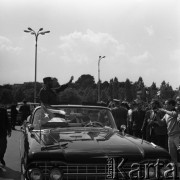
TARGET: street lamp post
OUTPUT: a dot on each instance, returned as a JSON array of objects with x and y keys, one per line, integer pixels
[
  {"x": 100, "y": 57},
  {"x": 36, "y": 34}
]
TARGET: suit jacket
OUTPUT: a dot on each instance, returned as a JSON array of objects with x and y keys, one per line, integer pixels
[
  {"x": 152, "y": 127},
  {"x": 120, "y": 116},
  {"x": 50, "y": 95}
]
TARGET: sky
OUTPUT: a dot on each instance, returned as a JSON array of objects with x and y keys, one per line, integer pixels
[{"x": 139, "y": 38}]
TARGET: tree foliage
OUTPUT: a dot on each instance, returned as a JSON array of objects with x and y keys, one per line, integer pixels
[
  {"x": 166, "y": 91},
  {"x": 85, "y": 81},
  {"x": 85, "y": 90}
]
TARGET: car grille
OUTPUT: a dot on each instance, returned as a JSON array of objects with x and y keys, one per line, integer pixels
[
  {"x": 83, "y": 171},
  {"x": 75, "y": 171}
]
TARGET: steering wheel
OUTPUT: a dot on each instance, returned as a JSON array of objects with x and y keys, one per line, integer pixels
[{"x": 94, "y": 124}]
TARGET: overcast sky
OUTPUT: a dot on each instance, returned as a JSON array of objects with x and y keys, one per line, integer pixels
[{"x": 138, "y": 38}]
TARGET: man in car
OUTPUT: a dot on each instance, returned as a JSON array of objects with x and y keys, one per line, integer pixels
[{"x": 49, "y": 93}]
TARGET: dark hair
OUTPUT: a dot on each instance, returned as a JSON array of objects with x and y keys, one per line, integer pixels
[
  {"x": 156, "y": 102},
  {"x": 125, "y": 104},
  {"x": 24, "y": 101},
  {"x": 171, "y": 102},
  {"x": 47, "y": 79}
]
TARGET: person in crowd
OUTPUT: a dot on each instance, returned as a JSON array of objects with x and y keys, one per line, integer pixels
[
  {"x": 138, "y": 115},
  {"x": 178, "y": 111},
  {"x": 153, "y": 132},
  {"x": 126, "y": 105},
  {"x": 178, "y": 104},
  {"x": 170, "y": 119},
  {"x": 14, "y": 113},
  {"x": 120, "y": 114},
  {"x": 49, "y": 93},
  {"x": 25, "y": 111},
  {"x": 111, "y": 104},
  {"x": 5, "y": 130},
  {"x": 129, "y": 117},
  {"x": 178, "y": 99}
]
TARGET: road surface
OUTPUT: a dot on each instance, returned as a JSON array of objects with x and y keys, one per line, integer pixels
[{"x": 12, "y": 158}]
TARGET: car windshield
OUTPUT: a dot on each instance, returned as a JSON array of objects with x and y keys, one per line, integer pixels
[{"x": 64, "y": 117}]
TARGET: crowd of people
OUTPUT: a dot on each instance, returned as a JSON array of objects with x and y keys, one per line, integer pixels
[{"x": 155, "y": 122}]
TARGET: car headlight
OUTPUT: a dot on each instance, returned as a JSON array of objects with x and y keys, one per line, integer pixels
[
  {"x": 56, "y": 174},
  {"x": 36, "y": 174}
]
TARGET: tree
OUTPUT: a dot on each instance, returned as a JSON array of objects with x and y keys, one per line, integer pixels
[
  {"x": 6, "y": 96},
  {"x": 140, "y": 83},
  {"x": 166, "y": 91},
  {"x": 116, "y": 88},
  {"x": 153, "y": 91},
  {"x": 110, "y": 89},
  {"x": 18, "y": 94},
  {"x": 122, "y": 93},
  {"x": 128, "y": 90},
  {"x": 90, "y": 95},
  {"x": 29, "y": 94},
  {"x": 85, "y": 81},
  {"x": 86, "y": 89},
  {"x": 70, "y": 96},
  {"x": 105, "y": 85},
  {"x": 141, "y": 89},
  {"x": 104, "y": 95}
]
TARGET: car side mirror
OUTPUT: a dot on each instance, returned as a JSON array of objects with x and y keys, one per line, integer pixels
[{"x": 122, "y": 129}]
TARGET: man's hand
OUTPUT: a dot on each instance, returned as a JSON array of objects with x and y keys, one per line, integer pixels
[
  {"x": 72, "y": 78},
  {"x": 162, "y": 110}
]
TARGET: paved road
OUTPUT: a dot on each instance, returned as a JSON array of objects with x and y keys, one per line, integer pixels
[{"x": 12, "y": 158}]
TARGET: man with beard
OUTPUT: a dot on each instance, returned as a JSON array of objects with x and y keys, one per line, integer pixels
[{"x": 49, "y": 93}]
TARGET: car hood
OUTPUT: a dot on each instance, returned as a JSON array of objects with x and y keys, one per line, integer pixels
[{"x": 91, "y": 145}]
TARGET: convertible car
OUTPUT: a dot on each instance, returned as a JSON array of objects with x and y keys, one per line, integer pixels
[{"x": 80, "y": 142}]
